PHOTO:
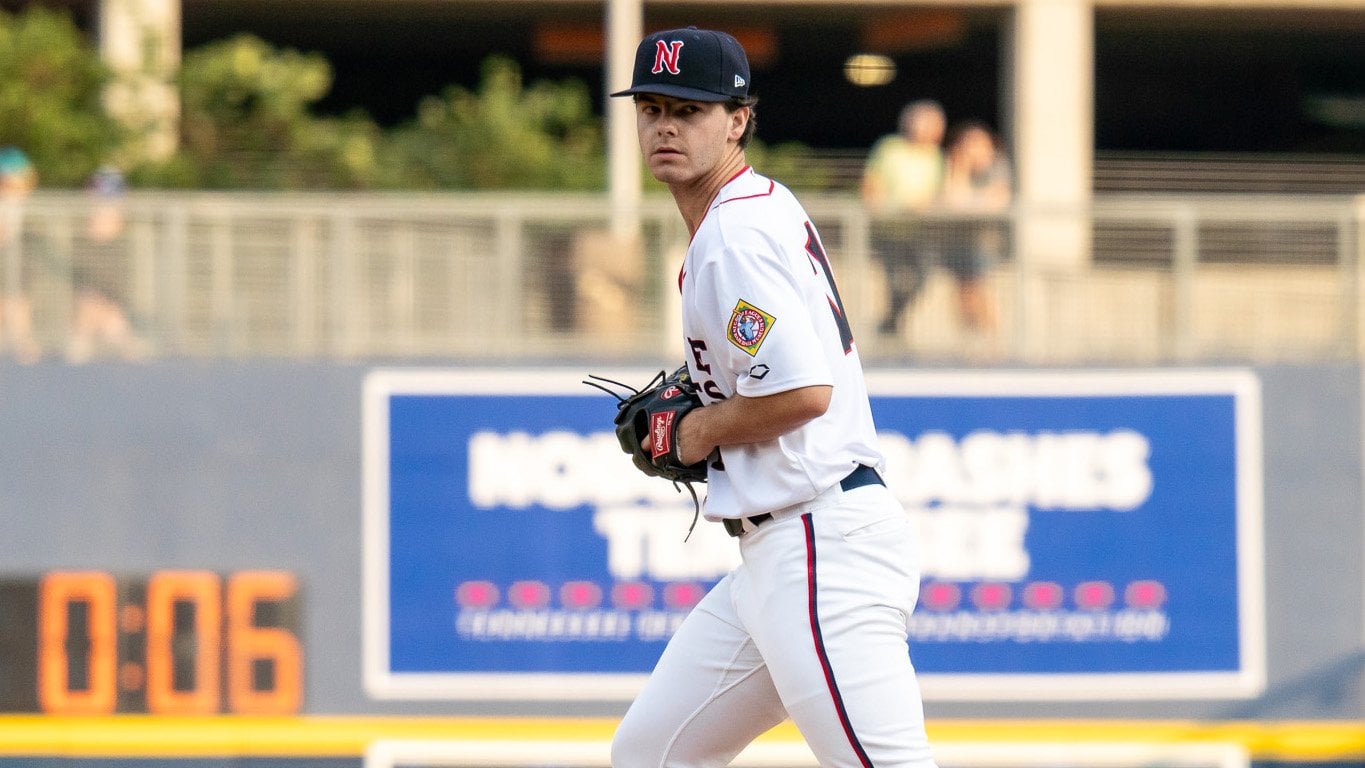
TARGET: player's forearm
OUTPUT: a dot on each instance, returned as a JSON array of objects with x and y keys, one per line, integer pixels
[{"x": 739, "y": 420}]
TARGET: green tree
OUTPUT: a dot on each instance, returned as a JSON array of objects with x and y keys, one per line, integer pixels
[
  {"x": 246, "y": 123},
  {"x": 503, "y": 136},
  {"x": 51, "y": 80}
]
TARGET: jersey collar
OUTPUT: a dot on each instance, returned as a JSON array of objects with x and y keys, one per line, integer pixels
[
  {"x": 724, "y": 196},
  {"x": 720, "y": 197}
]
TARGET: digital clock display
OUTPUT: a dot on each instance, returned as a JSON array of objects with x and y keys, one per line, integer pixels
[{"x": 175, "y": 643}]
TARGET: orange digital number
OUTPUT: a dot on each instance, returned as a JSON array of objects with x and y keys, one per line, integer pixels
[
  {"x": 248, "y": 644},
  {"x": 57, "y": 592},
  {"x": 203, "y": 591}
]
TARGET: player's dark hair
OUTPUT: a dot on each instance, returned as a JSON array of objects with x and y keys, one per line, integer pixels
[{"x": 751, "y": 127}]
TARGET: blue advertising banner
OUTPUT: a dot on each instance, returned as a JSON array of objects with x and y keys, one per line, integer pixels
[{"x": 1086, "y": 535}]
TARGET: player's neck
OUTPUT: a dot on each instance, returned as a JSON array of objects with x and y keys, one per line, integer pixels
[{"x": 694, "y": 197}]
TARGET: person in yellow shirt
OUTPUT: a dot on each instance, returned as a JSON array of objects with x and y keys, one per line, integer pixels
[{"x": 903, "y": 175}]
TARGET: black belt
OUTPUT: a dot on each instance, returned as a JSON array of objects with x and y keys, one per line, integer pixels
[{"x": 863, "y": 475}]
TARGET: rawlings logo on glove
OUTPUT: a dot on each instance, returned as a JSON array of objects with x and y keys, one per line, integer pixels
[{"x": 661, "y": 431}]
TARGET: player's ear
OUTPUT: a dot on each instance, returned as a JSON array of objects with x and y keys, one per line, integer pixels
[{"x": 739, "y": 119}]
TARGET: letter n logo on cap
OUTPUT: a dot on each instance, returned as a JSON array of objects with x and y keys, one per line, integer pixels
[{"x": 666, "y": 56}]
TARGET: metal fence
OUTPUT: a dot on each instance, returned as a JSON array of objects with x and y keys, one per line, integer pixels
[{"x": 519, "y": 277}]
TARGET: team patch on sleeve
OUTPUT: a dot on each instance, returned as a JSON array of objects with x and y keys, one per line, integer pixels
[{"x": 749, "y": 326}]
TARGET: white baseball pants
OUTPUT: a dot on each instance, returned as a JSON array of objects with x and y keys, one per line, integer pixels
[{"x": 812, "y": 626}]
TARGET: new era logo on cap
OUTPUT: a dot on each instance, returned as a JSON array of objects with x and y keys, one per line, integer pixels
[{"x": 691, "y": 63}]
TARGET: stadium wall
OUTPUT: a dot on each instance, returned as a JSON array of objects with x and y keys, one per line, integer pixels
[{"x": 245, "y": 466}]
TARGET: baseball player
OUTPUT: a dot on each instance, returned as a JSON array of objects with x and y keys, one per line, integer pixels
[{"x": 812, "y": 624}]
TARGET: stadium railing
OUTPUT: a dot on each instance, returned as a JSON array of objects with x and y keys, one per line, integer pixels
[{"x": 521, "y": 277}]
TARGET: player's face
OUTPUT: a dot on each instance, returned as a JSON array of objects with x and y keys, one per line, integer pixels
[{"x": 685, "y": 140}]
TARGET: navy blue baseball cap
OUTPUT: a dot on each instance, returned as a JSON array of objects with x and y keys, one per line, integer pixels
[{"x": 691, "y": 63}]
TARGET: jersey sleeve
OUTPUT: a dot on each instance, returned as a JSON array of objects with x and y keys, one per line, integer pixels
[{"x": 757, "y": 313}]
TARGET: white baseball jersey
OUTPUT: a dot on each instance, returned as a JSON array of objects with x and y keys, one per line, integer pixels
[{"x": 761, "y": 315}]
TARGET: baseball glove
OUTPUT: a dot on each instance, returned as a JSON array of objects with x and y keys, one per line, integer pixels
[{"x": 647, "y": 422}]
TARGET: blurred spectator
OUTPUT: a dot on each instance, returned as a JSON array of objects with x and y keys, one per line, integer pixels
[
  {"x": 99, "y": 323},
  {"x": 904, "y": 175},
  {"x": 977, "y": 182},
  {"x": 18, "y": 178}
]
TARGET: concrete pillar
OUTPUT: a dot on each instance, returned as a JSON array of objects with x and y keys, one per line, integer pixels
[
  {"x": 625, "y": 28},
  {"x": 1051, "y": 115},
  {"x": 140, "y": 42}
]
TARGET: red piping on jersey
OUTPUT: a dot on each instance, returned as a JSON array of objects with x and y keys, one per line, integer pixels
[
  {"x": 709, "y": 208},
  {"x": 771, "y": 186},
  {"x": 738, "y": 173},
  {"x": 820, "y": 652}
]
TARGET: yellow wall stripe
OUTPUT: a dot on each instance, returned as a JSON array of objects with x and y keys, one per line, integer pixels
[{"x": 348, "y": 736}]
